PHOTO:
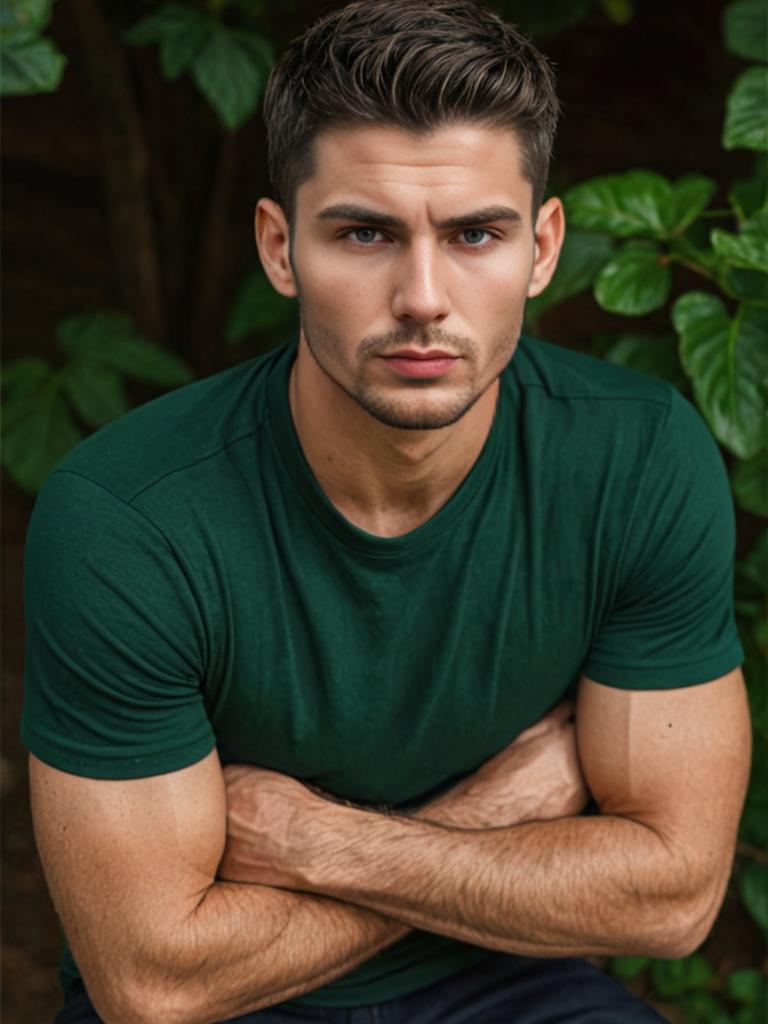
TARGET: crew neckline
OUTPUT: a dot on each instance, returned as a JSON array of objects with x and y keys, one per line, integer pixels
[{"x": 286, "y": 443}]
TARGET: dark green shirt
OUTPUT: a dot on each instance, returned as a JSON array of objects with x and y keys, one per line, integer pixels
[{"x": 188, "y": 584}]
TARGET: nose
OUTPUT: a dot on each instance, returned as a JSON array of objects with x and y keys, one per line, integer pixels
[{"x": 421, "y": 292}]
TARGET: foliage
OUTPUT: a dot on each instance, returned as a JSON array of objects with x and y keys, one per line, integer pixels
[
  {"x": 229, "y": 65},
  {"x": 45, "y": 405},
  {"x": 29, "y": 63}
]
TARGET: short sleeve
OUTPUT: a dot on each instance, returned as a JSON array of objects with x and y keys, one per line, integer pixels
[
  {"x": 115, "y": 644},
  {"x": 672, "y": 621}
]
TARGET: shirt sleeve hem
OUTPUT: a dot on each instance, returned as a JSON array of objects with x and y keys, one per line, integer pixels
[
  {"x": 625, "y": 676},
  {"x": 116, "y": 765}
]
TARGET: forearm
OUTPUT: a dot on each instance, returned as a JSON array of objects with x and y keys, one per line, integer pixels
[
  {"x": 577, "y": 886},
  {"x": 245, "y": 947}
]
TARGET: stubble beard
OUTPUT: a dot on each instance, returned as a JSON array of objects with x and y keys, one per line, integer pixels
[{"x": 324, "y": 345}]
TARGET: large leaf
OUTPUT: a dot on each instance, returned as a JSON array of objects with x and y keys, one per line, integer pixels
[
  {"x": 753, "y": 886},
  {"x": 109, "y": 339},
  {"x": 258, "y": 307},
  {"x": 652, "y": 354},
  {"x": 750, "y": 484},
  {"x": 96, "y": 392},
  {"x": 584, "y": 253},
  {"x": 37, "y": 433},
  {"x": 635, "y": 281},
  {"x": 638, "y": 203},
  {"x": 748, "y": 249},
  {"x": 727, "y": 360},
  {"x": 624, "y": 204},
  {"x": 745, "y": 27},
  {"x": 230, "y": 71},
  {"x": 30, "y": 67},
  {"x": 746, "y": 126},
  {"x": 23, "y": 376},
  {"x": 180, "y": 32},
  {"x": 745, "y": 986}
]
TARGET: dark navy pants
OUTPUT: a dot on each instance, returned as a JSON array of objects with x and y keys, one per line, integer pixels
[{"x": 502, "y": 990}]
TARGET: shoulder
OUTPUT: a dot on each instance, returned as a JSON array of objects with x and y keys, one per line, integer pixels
[{"x": 178, "y": 431}]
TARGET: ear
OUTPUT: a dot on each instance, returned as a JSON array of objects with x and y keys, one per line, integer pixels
[
  {"x": 273, "y": 243},
  {"x": 548, "y": 234}
]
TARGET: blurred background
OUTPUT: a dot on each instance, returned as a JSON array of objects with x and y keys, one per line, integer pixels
[{"x": 133, "y": 156}]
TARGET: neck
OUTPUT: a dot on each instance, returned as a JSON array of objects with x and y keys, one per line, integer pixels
[{"x": 385, "y": 480}]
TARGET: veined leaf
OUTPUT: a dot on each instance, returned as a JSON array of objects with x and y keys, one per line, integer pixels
[
  {"x": 22, "y": 20},
  {"x": 748, "y": 249},
  {"x": 750, "y": 195},
  {"x": 179, "y": 31},
  {"x": 230, "y": 71},
  {"x": 30, "y": 67},
  {"x": 109, "y": 339},
  {"x": 745, "y": 27},
  {"x": 727, "y": 360},
  {"x": 746, "y": 126},
  {"x": 624, "y": 204},
  {"x": 96, "y": 392},
  {"x": 634, "y": 282},
  {"x": 38, "y": 432},
  {"x": 690, "y": 196},
  {"x": 749, "y": 480}
]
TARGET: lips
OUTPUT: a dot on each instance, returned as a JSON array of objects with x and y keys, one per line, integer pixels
[{"x": 416, "y": 363}]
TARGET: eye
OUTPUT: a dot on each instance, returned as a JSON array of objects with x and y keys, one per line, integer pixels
[
  {"x": 475, "y": 236},
  {"x": 363, "y": 236}
]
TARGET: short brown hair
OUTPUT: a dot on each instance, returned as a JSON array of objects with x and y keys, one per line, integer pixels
[{"x": 413, "y": 64}]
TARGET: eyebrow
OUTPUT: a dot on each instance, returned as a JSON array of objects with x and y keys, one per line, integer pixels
[{"x": 486, "y": 215}]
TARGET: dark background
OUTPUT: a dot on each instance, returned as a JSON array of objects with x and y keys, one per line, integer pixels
[{"x": 646, "y": 94}]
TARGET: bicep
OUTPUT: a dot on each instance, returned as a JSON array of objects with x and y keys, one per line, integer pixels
[
  {"x": 674, "y": 759},
  {"x": 127, "y": 860}
]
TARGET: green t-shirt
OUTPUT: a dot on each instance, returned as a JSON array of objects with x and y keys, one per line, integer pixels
[{"x": 188, "y": 583}]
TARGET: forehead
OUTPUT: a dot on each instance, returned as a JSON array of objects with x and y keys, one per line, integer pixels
[{"x": 469, "y": 165}]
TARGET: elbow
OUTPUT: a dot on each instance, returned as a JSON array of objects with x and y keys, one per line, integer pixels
[
  {"x": 676, "y": 928},
  {"x": 128, "y": 1001}
]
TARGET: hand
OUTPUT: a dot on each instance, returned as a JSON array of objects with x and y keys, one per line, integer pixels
[
  {"x": 536, "y": 778},
  {"x": 265, "y": 812}
]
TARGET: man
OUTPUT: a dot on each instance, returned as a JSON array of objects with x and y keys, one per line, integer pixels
[{"x": 366, "y": 570}]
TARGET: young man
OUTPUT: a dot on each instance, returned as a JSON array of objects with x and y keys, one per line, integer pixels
[{"x": 368, "y": 569}]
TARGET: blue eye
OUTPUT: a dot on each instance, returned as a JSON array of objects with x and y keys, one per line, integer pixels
[
  {"x": 363, "y": 235},
  {"x": 474, "y": 235}
]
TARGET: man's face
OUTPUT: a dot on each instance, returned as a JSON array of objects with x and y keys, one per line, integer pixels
[{"x": 412, "y": 259}]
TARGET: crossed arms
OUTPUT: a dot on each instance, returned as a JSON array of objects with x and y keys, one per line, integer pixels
[{"x": 200, "y": 895}]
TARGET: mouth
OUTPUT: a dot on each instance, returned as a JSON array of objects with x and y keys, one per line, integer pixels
[{"x": 416, "y": 363}]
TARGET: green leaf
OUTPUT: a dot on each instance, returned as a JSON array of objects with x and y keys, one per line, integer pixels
[
  {"x": 690, "y": 196},
  {"x": 37, "y": 434},
  {"x": 745, "y": 27},
  {"x": 22, "y": 20},
  {"x": 748, "y": 249},
  {"x": 23, "y": 376},
  {"x": 258, "y": 307},
  {"x": 626, "y": 967},
  {"x": 749, "y": 480},
  {"x": 623, "y": 204},
  {"x": 750, "y": 195},
  {"x": 727, "y": 360},
  {"x": 673, "y": 977},
  {"x": 584, "y": 253},
  {"x": 620, "y": 11},
  {"x": 753, "y": 886},
  {"x": 230, "y": 71},
  {"x": 703, "y": 1008},
  {"x": 751, "y": 1015},
  {"x": 30, "y": 67},
  {"x": 747, "y": 285},
  {"x": 746, "y": 126},
  {"x": 652, "y": 354},
  {"x": 751, "y": 568},
  {"x": 110, "y": 339},
  {"x": 180, "y": 32},
  {"x": 745, "y": 986},
  {"x": 96, "y": 392},
  {"x": 634, "y": 282}
]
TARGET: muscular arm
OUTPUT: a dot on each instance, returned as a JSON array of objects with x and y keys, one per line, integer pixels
[
  {"x": 131, "y": 866},
  {"x": 668, "y": 770}
]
